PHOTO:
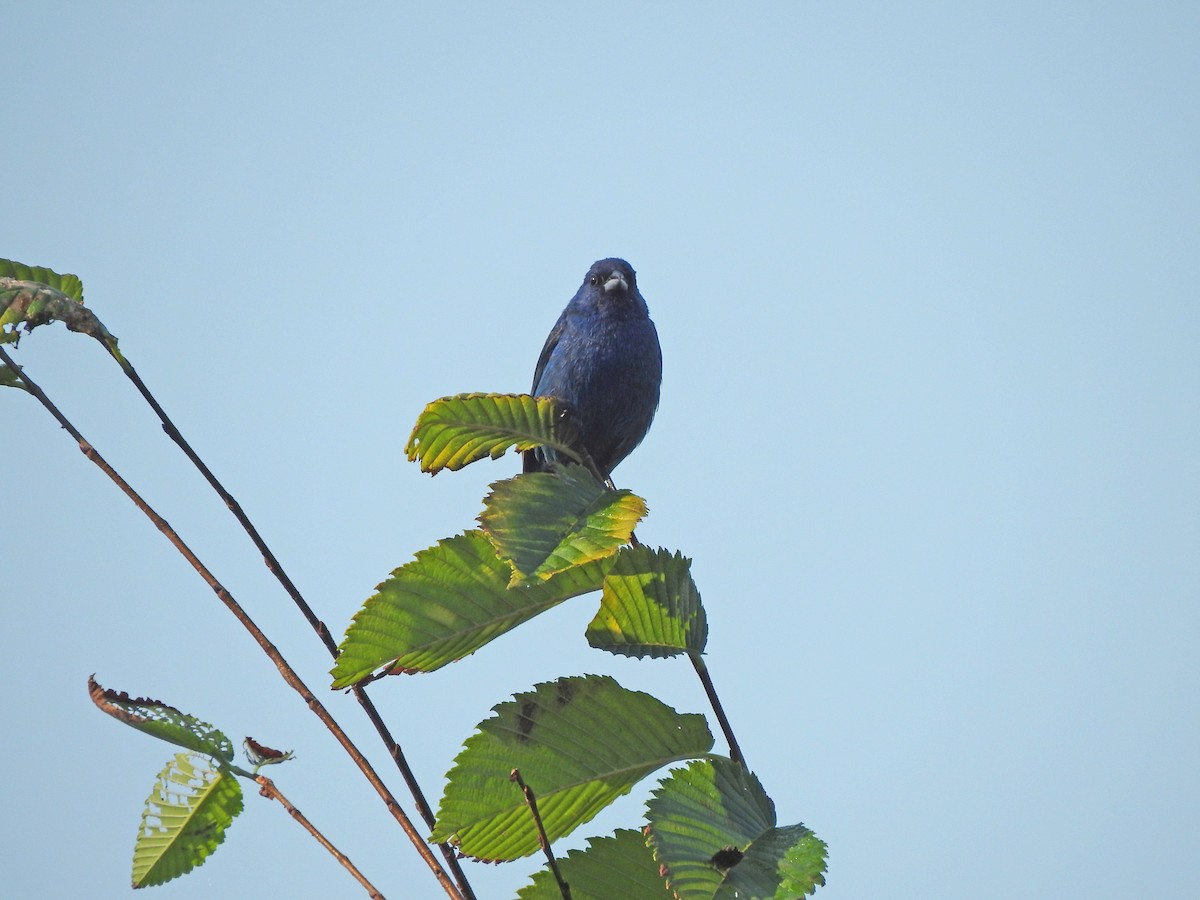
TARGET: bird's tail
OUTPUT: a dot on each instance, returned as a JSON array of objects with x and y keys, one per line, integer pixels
[{"x": 538, "y": 460}]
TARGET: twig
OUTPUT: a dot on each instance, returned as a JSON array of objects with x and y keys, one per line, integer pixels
[
  {"x": 735, "y": 752},
  {"x": 268, "y": 789},
  {"x": 234, "y": 507},
  {"x": 276, "y": 568},
  {"x": 289, "y": 674},
  {"x": 531, "y": 802}
]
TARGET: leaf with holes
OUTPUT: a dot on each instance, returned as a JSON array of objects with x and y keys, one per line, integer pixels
[
  {"x": 544, "y": 523},
  {"x": 164, "y": 722},
  {"x": 579, "y": 742},
  {"x": 185, "y": 819},
  {"x": 444, "y": 605},
  {"x": 713, "y": 828},
  {"x": 618, "y": 866},
  {"x": 456, "y": 431},
  {"x": 31, "y": 296},
  {"x": 650, "y": 606}
]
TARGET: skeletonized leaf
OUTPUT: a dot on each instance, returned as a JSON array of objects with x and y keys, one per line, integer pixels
[
  {"x": 579, "y": 742},
  {"x": 185, "y": 818},
  {"x": 544, "y": 523},
  {"x": 163, "y": 721},
  {"x": 713, "y": 828},
  {"x": 456, "y": 431},
  {"x": 444, "y": 605},
  {"x": 618, "y": 866},
  {"x": 650, "y": 606}
]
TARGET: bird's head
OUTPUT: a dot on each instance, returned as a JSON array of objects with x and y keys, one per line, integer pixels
[
  {"x": 611, "y": 284},
  {"x": 611, "y": 275}
]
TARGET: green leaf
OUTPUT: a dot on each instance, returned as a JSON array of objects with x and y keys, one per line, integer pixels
[
  {"x": 165, "y": 722},
  {"x": 713, "y": 828},
  {"x": 650, "y": 606},
  {"x": 544, "y": 523},
  {"x": 456, "y": 431},
  {"x": 185, "y": 818},
  {"x": 10, "y": 377},
  {"x": 803, "y": 865},
  {"x": 619, "y": 866},
  {"x": 70, "y": 285},
  {"x": 444, "y": 605},
  {"x": 579, "y": 743}
]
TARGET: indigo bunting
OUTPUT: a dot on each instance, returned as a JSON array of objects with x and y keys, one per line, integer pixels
[{"x": 603, "y": 360}]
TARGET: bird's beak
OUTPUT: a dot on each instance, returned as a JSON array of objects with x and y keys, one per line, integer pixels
[{"x": 615, "y": 280}]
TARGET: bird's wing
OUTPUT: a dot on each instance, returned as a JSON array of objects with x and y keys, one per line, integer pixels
[{"x": 548, "y": 349}]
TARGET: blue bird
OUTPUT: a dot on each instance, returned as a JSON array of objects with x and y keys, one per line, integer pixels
[{"x": 603, "y": 360}]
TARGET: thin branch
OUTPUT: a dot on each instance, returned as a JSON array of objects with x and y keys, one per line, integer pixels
[
  {"x": 234, "y": 507},
  {"x": 735, "y": 752},
  {"x": 276, "y": 568},
  {"x": 531, "y": 802},
  {"x": 289, "y": 674},
  {"x": 268, "y": 789}
]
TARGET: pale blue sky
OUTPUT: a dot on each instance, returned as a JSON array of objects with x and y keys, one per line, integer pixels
[{"x": 926, "y": 280}]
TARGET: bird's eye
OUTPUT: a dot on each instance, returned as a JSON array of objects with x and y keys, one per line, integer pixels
[{"x": 593, "y": 280}]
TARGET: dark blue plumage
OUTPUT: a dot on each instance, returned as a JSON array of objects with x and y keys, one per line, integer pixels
[{"x": 602, "y": 358}]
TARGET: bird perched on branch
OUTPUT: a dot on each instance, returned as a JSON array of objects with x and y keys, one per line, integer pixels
[{"x": 603, "y": 360}]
